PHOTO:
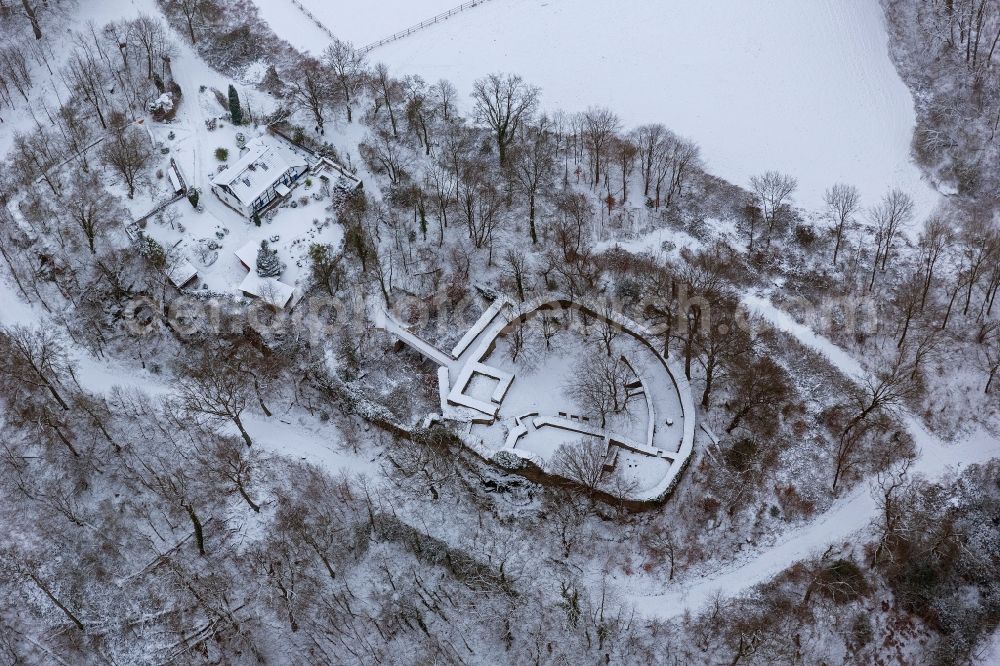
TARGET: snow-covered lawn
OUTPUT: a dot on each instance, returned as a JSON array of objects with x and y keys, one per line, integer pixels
[{"x": 802, "y": 87}]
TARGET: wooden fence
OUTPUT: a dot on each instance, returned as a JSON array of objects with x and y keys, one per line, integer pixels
[
  {"x": 420, "y": 26},
  {"x": 399, "y": 35}
]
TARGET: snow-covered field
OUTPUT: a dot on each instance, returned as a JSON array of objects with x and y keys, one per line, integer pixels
[{"x": 801, "y": 87}]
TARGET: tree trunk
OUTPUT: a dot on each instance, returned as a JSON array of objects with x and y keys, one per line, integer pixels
[
  {"x": 260, "y": 398},
  {"x": 951, "y": 303},
  {"x": 737, "y": 417},
  {"x": 709, "y": 372},
  {"x": 836, "y": 248},
  {"x": 35, "y": 28},
  {"x": 531, "y": 218},
  {"x": 906, "y": 328},
  {"x": 245, "y": 496},
  {"x": 199, "y": 536},
  {"x": 64, "y": 440},
  {"x": 52, "y": 597},
  {"x": 239, "y": 424}
]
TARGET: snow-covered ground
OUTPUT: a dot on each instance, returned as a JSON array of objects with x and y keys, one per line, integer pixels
[{"x": 802, "y": 87}]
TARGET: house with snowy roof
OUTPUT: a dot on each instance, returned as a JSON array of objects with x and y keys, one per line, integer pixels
[{"x": 265, "y": 173}]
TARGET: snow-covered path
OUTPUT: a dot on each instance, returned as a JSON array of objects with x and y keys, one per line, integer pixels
[{"x": 847, "y": 516}]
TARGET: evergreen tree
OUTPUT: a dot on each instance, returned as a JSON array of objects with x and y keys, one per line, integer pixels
[
  {"x": 234, "y": 106},
  {"x": 272, "y": 82},
  {"x": 193, "y": 197},
  {"x": 268, "y": 264},
  {"x": 255, "y": 218},
  {"x": 152, "y": 251}
]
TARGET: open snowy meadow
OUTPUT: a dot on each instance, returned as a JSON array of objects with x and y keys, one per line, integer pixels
[{"x": 758, "y": 85}]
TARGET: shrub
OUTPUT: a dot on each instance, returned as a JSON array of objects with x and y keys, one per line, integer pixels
[
  {"x": 805, "y": 235},
  {"x": 221, "y": 154},
  {"x": 841, "y": 580}
]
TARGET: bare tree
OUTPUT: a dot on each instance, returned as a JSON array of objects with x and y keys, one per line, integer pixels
[
  {"x": 444, "y": 94},
  {"x": 348, "y": 68},
  {"x": 935, "y": 239},
  {"x": 14, "y": 71},
  {"x": 661, "y": 541},
  {"x": 891, "y": 214},
  {"x": 388, "y": 91},
  {"x": 419, "y": 110},
  {"x": 842, "y": 202},
  {"x": 532, "y": 166},
  {"x": 624, "y": 153},
  {"x": 648, "y": 140},
  {"x": 29, "y": 12},
  {"x": 310, "y": 88},
  {"x": 503, "y": 103},
  {"x": 979, "y": 238},
  {"x": 481, "y": 203},
  {"x": 92, "y": 209},
  {"x": 208, "y": 386},
  {"x": 576, "y": 215},
  {"x": 200, "y": 13},
  {"x": 150, "y": 35},
  {"x": 516, "y": 269},
  {"x": 720, "y": 342},
  {"x": 760, "y": 387},
  {"x": 598, "y": 384},
  {"x": 581, "y": 461},
  {"x": 891, "y": 484},
  {"x": 906, "y": 298},
  {"x": 128, "y": 152},
  {"x": 989, "y": 351},
  {"x": 773, "y": 191},
  {"x": 35, "y": 357},
  {"x": 76, "y": 131},
  {"x": 873, "y": 404},
  {"x": 232, "y": 463},
  {"x": 600, "y": 126},
  {"x": 384, "y": 154},
  {"x": 677, "y": 158},
  {"x": 35, "y": 156},
  {"x": 750, "y": 214},
  {"x": 441, "y": 182}
]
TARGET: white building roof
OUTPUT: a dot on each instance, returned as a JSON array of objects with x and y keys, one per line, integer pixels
[
  {"x": 262, "y": 163},
  {"x": 248, "y": 254},
  {"x": 181, "y": 272},
  {"x": 269, "y": 290}
]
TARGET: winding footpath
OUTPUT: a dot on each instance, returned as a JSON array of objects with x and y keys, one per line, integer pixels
[{"x": 850, "y": 514}]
